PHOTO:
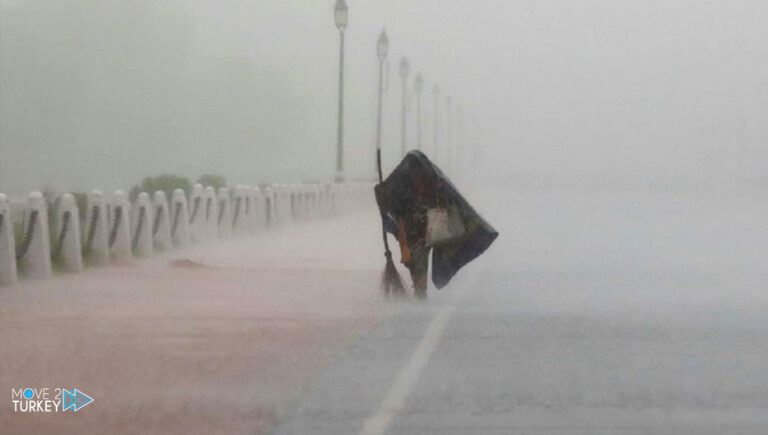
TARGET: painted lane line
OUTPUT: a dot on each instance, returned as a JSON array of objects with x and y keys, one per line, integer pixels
[{"x": 395, "y": 399}]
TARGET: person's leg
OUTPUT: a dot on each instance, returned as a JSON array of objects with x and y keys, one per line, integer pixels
[{"x": 419, "y": 268}]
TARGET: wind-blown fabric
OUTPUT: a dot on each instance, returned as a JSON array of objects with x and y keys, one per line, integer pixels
[{"x": 404, "y": 197}]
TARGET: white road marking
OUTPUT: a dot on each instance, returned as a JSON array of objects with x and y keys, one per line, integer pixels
[{"x": 395, "y": 399}]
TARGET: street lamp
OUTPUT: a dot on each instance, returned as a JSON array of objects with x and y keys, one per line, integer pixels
[
  {"x": 418, "y": 86},
  {"x": 404, "y": 69},
  {"x": 436, "y": 114},
  {"x": 382, "y": 46},
  {"x": 341, "y": 16}
]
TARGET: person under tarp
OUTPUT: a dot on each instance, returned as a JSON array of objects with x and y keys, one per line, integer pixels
[{"x": 422, "y": 208}]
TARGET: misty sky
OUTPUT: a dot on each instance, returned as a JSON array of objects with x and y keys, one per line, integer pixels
[{"x": 100, "y": 93}]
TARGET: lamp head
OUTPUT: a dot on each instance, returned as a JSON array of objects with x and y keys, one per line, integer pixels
[
  {"x": 341, "y": 14},
  {"x": 419, "y": 82},
  {"x": 382, "y": 45},
  {"x": 404, "y": 68}
]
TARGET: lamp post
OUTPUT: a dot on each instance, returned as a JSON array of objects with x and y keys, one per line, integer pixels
[
  {"x": 382, "y": 46},
  {"x": 404, "y": 69},
  {"x": 436, "y": 114},
  {"x": 418, "y": 86},
  {"x": 340, "y": 16}
]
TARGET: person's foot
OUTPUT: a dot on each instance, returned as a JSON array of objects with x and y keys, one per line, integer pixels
[
  {"x": 420, "y": 294},
  {"x": 398, "y": 293}
]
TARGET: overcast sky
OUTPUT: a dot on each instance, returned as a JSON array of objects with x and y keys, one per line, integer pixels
[{"x": 100, "y": 93}]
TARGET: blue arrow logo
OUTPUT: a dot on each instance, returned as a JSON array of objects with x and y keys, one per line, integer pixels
[{"x": 75, "y": 399}]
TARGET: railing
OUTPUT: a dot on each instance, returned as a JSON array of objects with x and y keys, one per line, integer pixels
[{"x": 115, "y": 231}]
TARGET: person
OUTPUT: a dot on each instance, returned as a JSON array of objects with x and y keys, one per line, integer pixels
[{"x": 422, "y": 208}]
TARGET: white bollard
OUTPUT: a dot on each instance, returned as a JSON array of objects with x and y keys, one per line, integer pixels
[
  {"x": 257, "y": 209},
  {"x": 295, "y": 202},
  {"x": 321, "y": 200},
  {"x": 286, "y": 206},
  {"x": 224, "y": 218},
  {"x": 334, "y": 200},
  {"x": 277, "y": 204},
  {"x": 180, "y": 219},
  {"x": 239, "y": 216},
  {"x": 247, "y": 195},
  {"x": 197, "y": 213},
  {"x": 298, "y": 192},
  {"x": 67, "y": 249},
  {"x": 161, "y": 225},
  {"x": 309, "y": 208},
  {"x": 329, "y": 199},
  {"x": 141, "y": 226},
  {"x": 301, "y": 206},
  {"x": 34, "y": 254},
  {"x": 315, "y": 200},
  {"x": 7, "y": 245},
  {"x": 211, "y": 214},
  {"x": 287, "y": 203},
  {"x": 248, "y": 201},
  {"x": 293, "y": 209},
  {"x": 96, "y": 242},
  {"x": 337, "y": 198},
  {"x": 269, "y": 207},
  {"x": 120, "y": 228}
]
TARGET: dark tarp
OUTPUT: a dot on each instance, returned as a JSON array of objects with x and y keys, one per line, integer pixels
[{"x": 414, "y": 187}]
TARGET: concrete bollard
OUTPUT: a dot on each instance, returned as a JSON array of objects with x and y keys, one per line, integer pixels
[
  {"x": 161, "y": 223},
  {"x": 292, "y": 203},
  {"x": 309, "y": 208},
  {"x": 197, "y": 214},
  {"x": 315, "y": 201},
  {"x": 277, "y": 204},
  {"x": 211, "y": 214},
  {"x": 335, "y": 199},
  {"x": 180, "y": 219},
  {"x": 334, "y": 205},
  {"x": 34, "y": 252},
  {"x": 324, "y": 199},
  {"x": 224, "y": 218},
  {"x": 321, "y": 199},
  {"x": 328, "y": 194},
  {"x": 289, "y": 203},
  {"x": 295, "y": 202},
  {"x": 298, "y": 192},
  {"x": 239, "y": 215},
  {"x": 96, "y": 241},
  {"x": 141, "y": 226},
  {"x": 248, "y": 201},
  {"x": 281, "y": 205},
  {"x": 257, "y": 209},
  {"x": 246, "y": 223},
  {"x": 120, "y": 228},
  {"x": 67, "y": 251},
  {"x": 269, "y": 207},
  {"x": 7, "y": 245}
]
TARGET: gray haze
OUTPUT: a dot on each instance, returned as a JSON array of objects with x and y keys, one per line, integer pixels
[{"x": 101, "y": 93}]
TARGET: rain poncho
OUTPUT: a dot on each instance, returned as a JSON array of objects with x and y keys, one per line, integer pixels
[{"x": 415, "y": 190}]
